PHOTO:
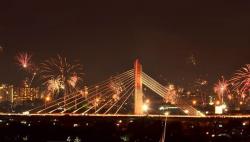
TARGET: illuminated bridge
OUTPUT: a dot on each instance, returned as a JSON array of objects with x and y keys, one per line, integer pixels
[{"x": 120, "y": 95}]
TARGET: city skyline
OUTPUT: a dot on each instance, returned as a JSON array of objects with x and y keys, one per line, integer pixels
[{"x": 121, "y": 71}]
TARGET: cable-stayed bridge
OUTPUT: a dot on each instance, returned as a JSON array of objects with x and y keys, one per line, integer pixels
[{"x": 119, "y": 95}]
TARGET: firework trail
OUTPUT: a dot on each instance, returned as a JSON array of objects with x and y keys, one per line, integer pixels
[{"x": 24, "y": 60}]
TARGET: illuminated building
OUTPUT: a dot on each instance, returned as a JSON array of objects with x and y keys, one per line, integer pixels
[
  {"x": 24, "y": 94},
  {"x": 17, "y": 95}
]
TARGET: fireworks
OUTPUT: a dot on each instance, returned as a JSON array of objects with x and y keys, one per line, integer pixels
[
  {"x": 59, "y": 73},
  {"x": 220, "y": 88},
  {"x": 54, "y": 85},
  {"x": 172, "y": 94},
  {"x": 193, "y": 60},
  {"x": 73, "y": 80},
  {"x": 241, "y": 79},
  {"x": 96, "y": 102},
  {"x": 115, "y": 97},
  {"x": 201, "y": 82},
  {"x": 116, "y": 87},
  {"x": 24, "y": 60}
]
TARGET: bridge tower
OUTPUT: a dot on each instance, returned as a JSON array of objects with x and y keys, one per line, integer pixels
[{"x": 138, "y": 88}]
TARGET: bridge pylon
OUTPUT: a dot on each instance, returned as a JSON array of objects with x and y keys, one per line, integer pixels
[{"x": 138, "y": 96}]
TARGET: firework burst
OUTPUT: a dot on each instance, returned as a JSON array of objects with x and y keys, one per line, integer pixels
[
  {"x": 192, "y": 60},
  {"x": 116, "y": 86},
  {"x": 241, "y": 79},
  {"x": 220, "y": 88},
  {"x": 24, "y": 60},
  {"x": 171, "y": 94},
  {"x": 73, "y": 80},
  {"x": 54, "y": 85},
  {"x": 59, "y": 69},
  {"x": 201, "y": 82}
]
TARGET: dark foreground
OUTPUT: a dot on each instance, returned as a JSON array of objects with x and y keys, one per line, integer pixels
[{"x": 121, "y": 129}]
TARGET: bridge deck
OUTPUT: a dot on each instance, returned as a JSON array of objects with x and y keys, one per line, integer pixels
[{"x": 127, "y": 115}]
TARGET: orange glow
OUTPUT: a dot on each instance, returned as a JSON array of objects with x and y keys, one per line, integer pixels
[
  {"x": 147, "y": 101},
  {"x": 47, "y": 98},
  {"x": 194, "y": 102},
  {"x": 97, "y": 100},
  {"x": 217, "y": 102}
]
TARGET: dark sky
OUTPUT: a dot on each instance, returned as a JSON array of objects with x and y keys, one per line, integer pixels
[{"x": 107, "y": 36}]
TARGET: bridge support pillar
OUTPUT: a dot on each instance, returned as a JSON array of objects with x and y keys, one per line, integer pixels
[{"x": 138, "y": 88}]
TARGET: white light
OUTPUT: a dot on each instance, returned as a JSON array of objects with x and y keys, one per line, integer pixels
[
  {"x": 211, "y": 103},
  {"x": 244, "y": 123},
  {"x": 166, "y": 113},
  {"x": 218, "y": 110},
  {"x": 224, "y": 106},
  {"x": 145, "y": 107},
  {"x": 23, "y": 122},
  {"x": 26, "y": 113},
  {"x": 186, "y": 111},
  {"x": 147, "y": 101},
  {"x": 75, "y": 125},
  {"x": 161, "y": 108}
]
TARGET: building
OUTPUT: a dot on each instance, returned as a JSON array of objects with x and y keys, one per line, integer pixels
[
  {"x": 17, "y": 95},
  {"x": 21, "y": 94},
  {"x": 6, "y": 93}
]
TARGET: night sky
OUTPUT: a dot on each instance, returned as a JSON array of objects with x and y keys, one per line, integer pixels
[{"x": 107, "y": 36}]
